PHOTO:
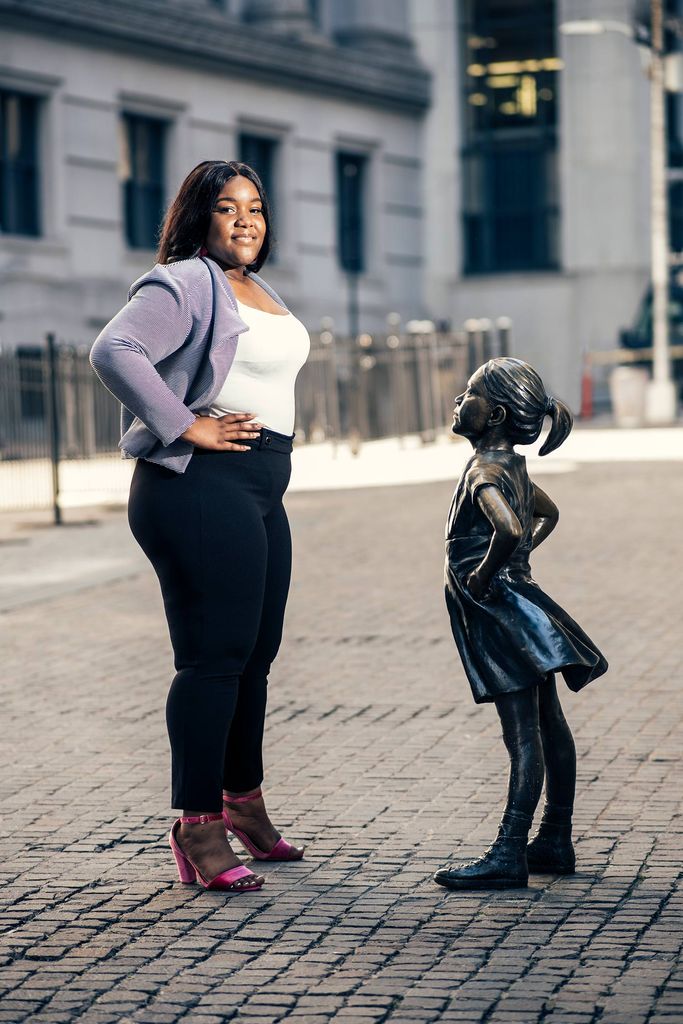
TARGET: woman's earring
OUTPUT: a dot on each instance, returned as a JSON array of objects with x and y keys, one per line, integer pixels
[{"x": 203, "y": 251}]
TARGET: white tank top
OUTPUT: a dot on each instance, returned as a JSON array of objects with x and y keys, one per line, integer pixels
[{"x": 262, "y": 377}]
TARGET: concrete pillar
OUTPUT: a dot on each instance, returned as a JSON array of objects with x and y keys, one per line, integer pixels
[
  {"x": 375, "y": 25},
  {"x": 286, "y": 17},
  {"x": 604, "y": 175},
  {"x": 603, "y": 135},
  {"x": 434, "y": 26}
]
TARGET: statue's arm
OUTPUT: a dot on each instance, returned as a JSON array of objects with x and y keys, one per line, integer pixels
[
  {"x": 546, "y": 515},
  {"x": 506, "y": 535}
]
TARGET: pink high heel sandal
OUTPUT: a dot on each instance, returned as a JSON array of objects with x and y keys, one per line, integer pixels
[
  {"x": 282, "y": 849},
  {"x": 188, "y": 872}
]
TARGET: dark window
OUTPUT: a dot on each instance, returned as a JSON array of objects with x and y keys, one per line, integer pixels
[
  {"x": 260, "y": 153},
  {"x": 350, "y": 211},
  {"x": 19, "y": 207},
  {"x": 510, "y": 202},
  {"x": 142, "y": 174},
  {"x": 674, "y": 125}
]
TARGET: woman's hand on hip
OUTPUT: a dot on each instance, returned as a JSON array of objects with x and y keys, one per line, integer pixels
[{"x": 223, "y": 433}]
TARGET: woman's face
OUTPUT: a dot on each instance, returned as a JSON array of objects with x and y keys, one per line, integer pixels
[{"x": 238, "y": 227}]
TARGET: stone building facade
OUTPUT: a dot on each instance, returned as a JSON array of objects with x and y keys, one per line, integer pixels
[
  {"x": 107, "y": 104},
  {"x": 539, "y": 160},
  {"x": 454, "y": 158}
]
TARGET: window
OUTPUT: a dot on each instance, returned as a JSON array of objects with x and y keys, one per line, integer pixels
[
  {"x": 260, "y": 153},
  {"x": 674, "y": 125},
  {"x": 350, "y": 176},
  {"x": 510, "y": 200},
  {"x": 314, "y": 8},
  {"x": 676, "y": 216},
  {"x": 142, "y": 177},
  {"x": 19, "y": 206}
]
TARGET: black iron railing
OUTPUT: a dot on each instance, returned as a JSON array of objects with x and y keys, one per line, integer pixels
[{"x": 59, "y": 427}]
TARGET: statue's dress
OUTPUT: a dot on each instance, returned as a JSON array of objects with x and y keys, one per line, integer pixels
[{"x": 516, "y": 635}]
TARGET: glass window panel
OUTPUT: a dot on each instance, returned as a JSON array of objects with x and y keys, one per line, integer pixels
[
  {"x": 510, "y": 190},
  {"x": 350, "y": 176},
  {"x": 141, "y": 168},
  {"x": 19, "y": 178},
  {"x": 676, "y": 216},
  {"x": 260, "y": 153}
]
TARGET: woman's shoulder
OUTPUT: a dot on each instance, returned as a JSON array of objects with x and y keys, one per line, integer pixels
[
  {"x": 267, "y": 288},
  {"x": 185, "y": 278}
]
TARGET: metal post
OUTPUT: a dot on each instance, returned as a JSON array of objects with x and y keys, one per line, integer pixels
[
  {"x": 504, "y": 326},
  {"x": 53, "y": 425},
  {"x": 486, "y": 329},
  {"x": 331, "y": 377},
  {"x": 355, "y": 398},
  {"x": 424, "y": 388},
  {"x": 475, "y": 345},
  {"x": 353, "y": 305},
  {"x": 661, "y": 393}
]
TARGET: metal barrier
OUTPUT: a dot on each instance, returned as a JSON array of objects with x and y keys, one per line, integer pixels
[
  {"x": 59, "y": 428},
  {"x": 596, "y": 362}
]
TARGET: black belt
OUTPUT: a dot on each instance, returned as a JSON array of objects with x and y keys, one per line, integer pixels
[{"x": 268, "y": 440}]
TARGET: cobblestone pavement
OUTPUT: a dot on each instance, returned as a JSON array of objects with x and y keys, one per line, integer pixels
[{"x": 377, "y": 758}]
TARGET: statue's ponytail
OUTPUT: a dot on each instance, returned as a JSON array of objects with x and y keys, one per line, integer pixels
[{"x": 562, "y": 422}]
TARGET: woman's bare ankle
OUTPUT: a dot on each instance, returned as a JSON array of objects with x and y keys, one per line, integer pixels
[{"x": 232, "y": 795}]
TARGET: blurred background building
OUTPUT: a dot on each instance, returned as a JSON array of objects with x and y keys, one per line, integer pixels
[
  {"x": 107, "y": 104},
  {"x": 438, "y": 159}
]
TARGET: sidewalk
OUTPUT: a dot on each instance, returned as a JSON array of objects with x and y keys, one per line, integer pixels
[
  {"x": 376, "y": 758},
  {"x": 106, "y": 479}
]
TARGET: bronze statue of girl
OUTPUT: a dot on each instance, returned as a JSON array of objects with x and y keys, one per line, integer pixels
[{"x": 511, "y": 636}]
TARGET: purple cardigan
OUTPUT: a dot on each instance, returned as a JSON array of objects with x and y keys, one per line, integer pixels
[{"x": 167, "y": 353}]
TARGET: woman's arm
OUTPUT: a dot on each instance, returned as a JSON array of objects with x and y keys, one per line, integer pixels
[
  {"x": 546, "y": 515},
  {"x": 155, "y": 322},
  {"x": 507, "y": 533}
]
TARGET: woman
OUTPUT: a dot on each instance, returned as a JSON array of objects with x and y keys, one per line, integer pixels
[{"x": 204, "y": 359}]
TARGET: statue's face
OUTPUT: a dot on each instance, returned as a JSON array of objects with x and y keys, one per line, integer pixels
[{"x": 472, "y": 409}]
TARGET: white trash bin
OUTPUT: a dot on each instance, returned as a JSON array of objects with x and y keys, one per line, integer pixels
[{"x": 627, "y": 387}]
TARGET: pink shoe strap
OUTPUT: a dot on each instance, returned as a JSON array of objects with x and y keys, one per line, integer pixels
[
  {"x": 243, "y": 799},
  {"x": 201, "y": 819},
  {"x": 281, "y": 850},
  {"x": 232, "y": 874}
]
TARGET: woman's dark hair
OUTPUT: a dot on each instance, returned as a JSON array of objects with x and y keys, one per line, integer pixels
[
  {"x": 516, "y": 386},
  {"x": 186, "y": 223}
]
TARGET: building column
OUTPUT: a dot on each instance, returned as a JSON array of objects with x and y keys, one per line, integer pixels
[
  {"x": 604, "y": 173},
  {"x": 379, "y": 26},
  {"x": 435, "y": 29},
  {"x": 604, "y": 120},
  {"x": 285, "y": 17}
]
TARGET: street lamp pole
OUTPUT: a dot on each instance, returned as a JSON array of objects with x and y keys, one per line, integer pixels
[{"x": 660, "y": 402}]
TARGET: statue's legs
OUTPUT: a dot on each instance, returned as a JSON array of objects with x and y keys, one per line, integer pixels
[
  {"x": 504, "y": 864},
  {"x": 551, "y": 848}
]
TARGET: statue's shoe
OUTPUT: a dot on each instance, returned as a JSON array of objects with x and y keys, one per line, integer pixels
[
  {"x": 502, "y": 866},
  {"x": 551, "y": 853}
]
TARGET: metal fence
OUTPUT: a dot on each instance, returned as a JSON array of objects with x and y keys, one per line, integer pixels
[{"x": 59, "y": 428}]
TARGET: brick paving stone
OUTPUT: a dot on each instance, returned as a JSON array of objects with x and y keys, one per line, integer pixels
[{"x": 377, "y": 758}]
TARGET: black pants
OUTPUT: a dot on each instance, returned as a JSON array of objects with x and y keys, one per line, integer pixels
[{"x": 218, "y": 538}]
